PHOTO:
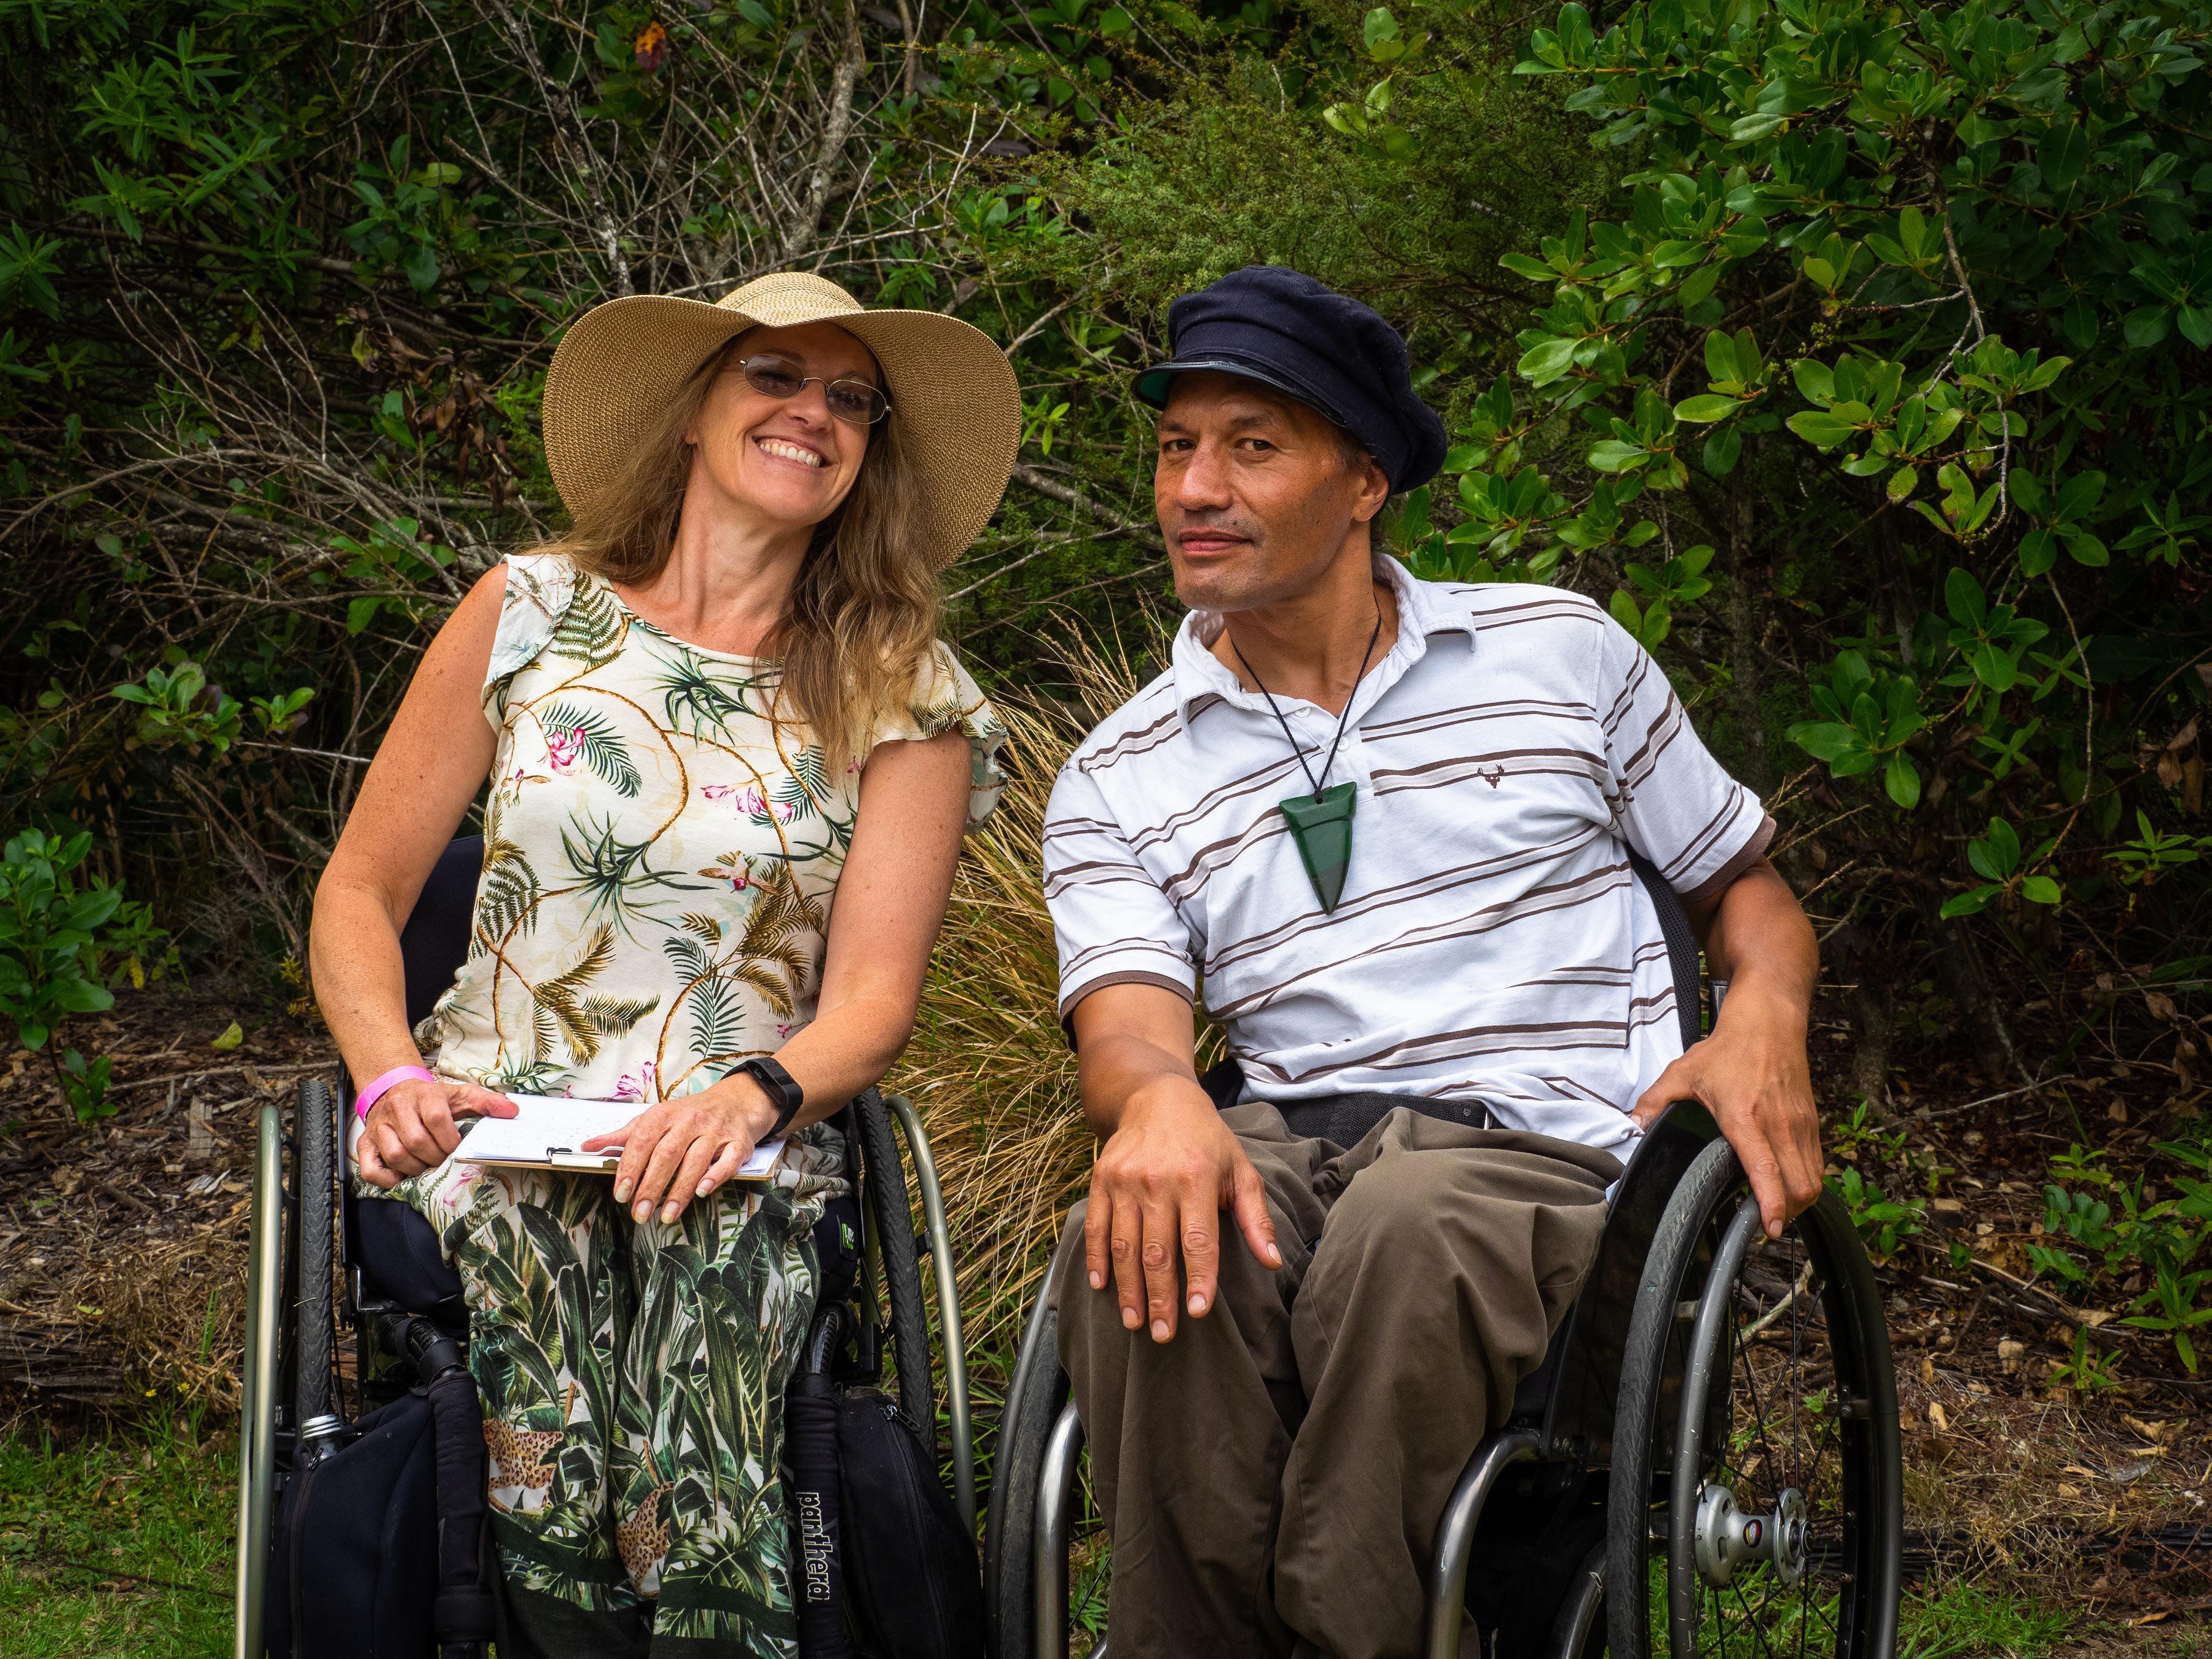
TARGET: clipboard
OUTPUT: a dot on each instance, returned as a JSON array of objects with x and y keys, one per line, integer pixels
[{"x": 547, "y": 1132}]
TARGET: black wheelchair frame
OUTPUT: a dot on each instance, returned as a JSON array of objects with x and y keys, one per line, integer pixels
[
  {"x": 1623, "y": 1450},
  {"x": 378, "y": 1271}
]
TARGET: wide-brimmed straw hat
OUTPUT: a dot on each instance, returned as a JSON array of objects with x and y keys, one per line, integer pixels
[{"x": 952, "y": 391}]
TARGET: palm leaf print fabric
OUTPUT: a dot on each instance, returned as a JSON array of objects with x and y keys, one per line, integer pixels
[{"x": 660, "y": 856}]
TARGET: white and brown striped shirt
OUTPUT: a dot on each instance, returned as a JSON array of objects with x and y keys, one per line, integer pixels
[{"x": 1491, "y": 942}]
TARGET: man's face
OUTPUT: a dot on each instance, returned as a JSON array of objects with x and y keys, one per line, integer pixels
[{"x": 1255, "y": 492}]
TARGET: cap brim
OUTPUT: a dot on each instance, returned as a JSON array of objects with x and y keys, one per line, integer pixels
[
  {"x": 1152, "y": 386},
  {"x": 952, "y": 392}
]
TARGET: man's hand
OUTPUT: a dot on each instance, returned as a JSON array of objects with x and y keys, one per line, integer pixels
[
  {"x": 1753, "y": 1076},
  {"x": 1161, "y": 1182}
]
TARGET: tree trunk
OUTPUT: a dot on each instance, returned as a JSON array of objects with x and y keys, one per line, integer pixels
[
  {"x": 1966, "y": 978},
  {"x": 1869, "y": 1007}
]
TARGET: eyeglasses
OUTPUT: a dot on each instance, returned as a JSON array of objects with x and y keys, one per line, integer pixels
[{"x": 775, "y": 374}]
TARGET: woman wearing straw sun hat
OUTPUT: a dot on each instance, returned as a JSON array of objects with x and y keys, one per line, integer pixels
[{"x": 714, "y": 705}]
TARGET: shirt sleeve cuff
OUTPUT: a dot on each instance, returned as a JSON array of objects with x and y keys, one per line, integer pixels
[
  {"x": 1741, "y": 859},
  {"x": 1121, "y": 977}
]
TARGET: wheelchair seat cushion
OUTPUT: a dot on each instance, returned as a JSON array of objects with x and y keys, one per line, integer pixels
[{"x": 398, "y": 1250}]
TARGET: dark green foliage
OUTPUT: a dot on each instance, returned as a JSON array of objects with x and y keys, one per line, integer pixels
[{"x": 1855, "y": 357}]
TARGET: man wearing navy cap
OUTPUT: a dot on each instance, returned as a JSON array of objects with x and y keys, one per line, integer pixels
[{"x": 1382, "y": 826}]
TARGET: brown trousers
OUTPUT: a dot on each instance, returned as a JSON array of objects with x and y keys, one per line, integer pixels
[{"x": 1272, "y": 1476}]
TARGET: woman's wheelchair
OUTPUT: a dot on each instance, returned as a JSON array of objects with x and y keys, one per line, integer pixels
[
  {"x": 325, "y": 1264},
  {"x": 1707, "y": 1461}
]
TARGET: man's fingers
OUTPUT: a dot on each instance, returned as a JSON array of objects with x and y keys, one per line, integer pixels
[
  {"x": 1097, "y": 1219},
  {"x": 1202, "y": 1254},
  {"x": 370, "y": 1167},
  {"x": 1249, "y": 1202},
  {"x": 1124, "y": 1230},
  {"x": 1765, "y": 1173},
  {"x": 1162, "y": 1270},
  {"x": 1804, "y": 1171}
]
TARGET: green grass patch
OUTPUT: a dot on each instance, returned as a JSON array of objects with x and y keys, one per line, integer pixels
[
  {"x": 116, "y": 1547},
  {"x": 1963, "y": 1618}
]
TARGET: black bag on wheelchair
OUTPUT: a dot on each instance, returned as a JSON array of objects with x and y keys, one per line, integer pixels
[
  {"x": 883, "y": 1566},
  {"x": 381, "y": 1546}
]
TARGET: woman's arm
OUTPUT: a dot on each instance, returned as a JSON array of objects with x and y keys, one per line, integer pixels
[
  {"x": 884, "y": 920},
  {"x": 428, "y": 769}
]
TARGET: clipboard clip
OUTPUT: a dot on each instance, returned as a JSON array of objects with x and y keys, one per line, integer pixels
[{"x": 576, "y": 1163}]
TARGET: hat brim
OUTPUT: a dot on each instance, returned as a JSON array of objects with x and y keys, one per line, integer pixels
[
  {"x": 952, "y": 392},
  {"x": 1152, "y": 385}
]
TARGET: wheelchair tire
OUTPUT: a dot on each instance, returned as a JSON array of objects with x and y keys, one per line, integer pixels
[
  {"x": 1034, "y": 1397},
  {"x": 313, "y": 1245},
  {"x": 883, "y": 1180},
  {"x": 1764, "y": 1463}
]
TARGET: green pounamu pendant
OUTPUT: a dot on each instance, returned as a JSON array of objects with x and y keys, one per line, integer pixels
[{"x": 1321, "y": 826}]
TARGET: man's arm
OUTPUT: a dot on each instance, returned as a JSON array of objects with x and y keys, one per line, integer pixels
[
  {"x": 1751, "y": 1073},
  {"x": 1167, "y": 1165}
]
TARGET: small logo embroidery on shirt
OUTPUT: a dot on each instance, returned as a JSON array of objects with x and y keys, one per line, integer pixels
[{"x": 1493, "y": 777}]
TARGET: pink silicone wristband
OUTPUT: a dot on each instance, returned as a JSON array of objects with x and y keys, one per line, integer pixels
[{"x": 369, "y": 1096}]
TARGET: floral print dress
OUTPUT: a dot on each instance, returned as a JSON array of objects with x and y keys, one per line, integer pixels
[{"x": 660, "y": 859}]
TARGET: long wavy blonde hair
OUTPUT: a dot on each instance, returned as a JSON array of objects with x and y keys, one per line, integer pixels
[{"x": 863, "y": 616}]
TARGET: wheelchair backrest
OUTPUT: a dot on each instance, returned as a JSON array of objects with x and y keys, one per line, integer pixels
[{"x": 435, "y": 943}]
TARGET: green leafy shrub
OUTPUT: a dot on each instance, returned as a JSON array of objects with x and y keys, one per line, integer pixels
[
  {"x": 1883, "y": 1222},
  {"x": 1905, "y": 314},
  {"x": 2152, "y": 1244},
  {"x": 62, "y": 938}
]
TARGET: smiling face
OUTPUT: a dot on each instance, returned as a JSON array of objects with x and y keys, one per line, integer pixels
[
  {"x": 1258, "y": 495},
  {"x": 783, "y": 460}
]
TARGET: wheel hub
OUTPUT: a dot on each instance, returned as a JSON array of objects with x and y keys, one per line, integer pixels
[{"x": 1728, "y": 1536}]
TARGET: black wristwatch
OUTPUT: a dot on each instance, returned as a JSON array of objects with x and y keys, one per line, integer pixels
[{"x": 780, "y": 1086}]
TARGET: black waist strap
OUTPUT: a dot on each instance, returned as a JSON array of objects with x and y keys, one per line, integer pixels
[{"x": 1343, "y": 1119}]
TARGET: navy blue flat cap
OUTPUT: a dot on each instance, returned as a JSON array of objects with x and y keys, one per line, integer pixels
[{"x": 1283, "y": 329}]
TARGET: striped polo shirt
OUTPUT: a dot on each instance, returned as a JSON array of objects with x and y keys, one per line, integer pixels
[{"x": 1491, "y": 943}]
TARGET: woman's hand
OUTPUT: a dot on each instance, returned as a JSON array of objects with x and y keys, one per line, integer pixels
[
  {"x": 683, "y": 1149},
  {"x": 413, "y": 1127}
]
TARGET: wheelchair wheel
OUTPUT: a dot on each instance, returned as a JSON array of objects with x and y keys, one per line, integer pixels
[
  {"x": 883, "y": 1181},
  {"x": 314, "y": 1246},
  {"x": 1034, "y": 1398},
  {"x": 1756, "y": 1446}
]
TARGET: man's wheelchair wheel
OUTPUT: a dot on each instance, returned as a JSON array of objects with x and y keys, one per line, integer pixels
[
  {"x": 1755, "y": 1496},
  {"x": 1015, "y": 1556}
]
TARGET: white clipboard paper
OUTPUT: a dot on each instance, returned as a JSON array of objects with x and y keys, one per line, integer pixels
[{"x": 548, "y": 1132}]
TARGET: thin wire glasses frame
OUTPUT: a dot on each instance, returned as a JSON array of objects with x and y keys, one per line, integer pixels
[{"x": 779, "y": 374}]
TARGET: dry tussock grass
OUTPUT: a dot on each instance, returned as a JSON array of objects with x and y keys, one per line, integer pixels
[{"x": 988, "y": 1068}]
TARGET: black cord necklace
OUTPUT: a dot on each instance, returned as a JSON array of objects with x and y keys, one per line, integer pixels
[{"x": 1321, "y": 823}]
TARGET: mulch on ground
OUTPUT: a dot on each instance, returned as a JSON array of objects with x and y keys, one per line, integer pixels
[
  {"x": 122, "y": 1279},
  {"x": 122, "y": 1246}
]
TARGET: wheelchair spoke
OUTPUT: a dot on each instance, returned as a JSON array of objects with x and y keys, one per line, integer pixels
[{"x": 1775, "y": 1469}]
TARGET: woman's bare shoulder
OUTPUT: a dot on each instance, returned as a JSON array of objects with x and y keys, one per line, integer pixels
[{"x": 467, "y": 634}]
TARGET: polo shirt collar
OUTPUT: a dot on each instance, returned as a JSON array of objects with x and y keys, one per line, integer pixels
[{"x": 1426, "y": 610}]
